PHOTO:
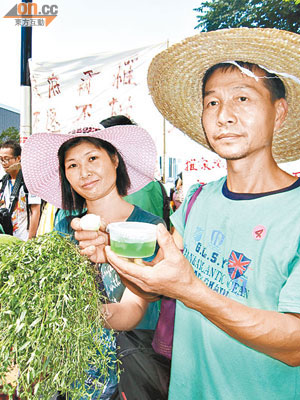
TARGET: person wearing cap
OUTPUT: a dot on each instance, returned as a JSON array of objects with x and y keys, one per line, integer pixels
[
  {"x": 91, "y": 172},
  {"x": 237, "y": 323}
]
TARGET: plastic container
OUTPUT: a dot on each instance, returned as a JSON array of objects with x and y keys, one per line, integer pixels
[{"x": 132, "y": 239}]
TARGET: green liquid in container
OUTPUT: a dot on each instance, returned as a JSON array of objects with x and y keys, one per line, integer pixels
[{"x": 133, "y": 250}]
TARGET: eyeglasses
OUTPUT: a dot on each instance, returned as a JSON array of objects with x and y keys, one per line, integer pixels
[{"x": 5, "y": 160}]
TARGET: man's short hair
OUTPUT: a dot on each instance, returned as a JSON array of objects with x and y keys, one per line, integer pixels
[
  {"x": 271, "y": 81},
  {"x": 11, "y": 144}
]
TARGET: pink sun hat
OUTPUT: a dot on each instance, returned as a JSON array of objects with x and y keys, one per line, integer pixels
[{"x": 40, "y": 165}]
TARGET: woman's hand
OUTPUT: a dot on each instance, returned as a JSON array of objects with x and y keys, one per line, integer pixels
[{"x": 91, "y": 243}]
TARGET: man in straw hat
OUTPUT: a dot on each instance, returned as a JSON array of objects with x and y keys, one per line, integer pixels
[{"x": 237, "y": 326}]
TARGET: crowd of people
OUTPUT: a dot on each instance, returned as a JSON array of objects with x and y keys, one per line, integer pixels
[{"x": 230, "y": 260}]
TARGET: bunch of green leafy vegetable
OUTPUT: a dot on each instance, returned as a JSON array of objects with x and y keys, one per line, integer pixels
[{"x": 50, "y": 321}]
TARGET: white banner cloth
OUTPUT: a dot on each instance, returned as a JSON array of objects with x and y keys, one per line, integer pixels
[{"x": 78, "y": 93}]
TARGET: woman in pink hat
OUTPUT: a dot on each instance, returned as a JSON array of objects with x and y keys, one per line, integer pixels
[{"x": 90, "y": 173}]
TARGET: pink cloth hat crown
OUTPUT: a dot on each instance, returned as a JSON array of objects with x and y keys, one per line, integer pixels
[{"x": 40, "y": 165}]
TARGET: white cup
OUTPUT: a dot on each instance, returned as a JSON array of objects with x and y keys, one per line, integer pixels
[{"x": 132, "y": 239}]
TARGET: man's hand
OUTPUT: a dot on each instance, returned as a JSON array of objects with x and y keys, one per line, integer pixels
[
  {"x": 91, "y": 243},
  {"x": 171, "y": 277}
]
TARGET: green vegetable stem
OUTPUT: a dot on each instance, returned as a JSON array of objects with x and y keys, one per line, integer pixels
[{"x": 50, "y": 321}]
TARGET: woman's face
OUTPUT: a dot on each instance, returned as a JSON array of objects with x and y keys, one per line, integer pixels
[{"x": 90, "y": 171}]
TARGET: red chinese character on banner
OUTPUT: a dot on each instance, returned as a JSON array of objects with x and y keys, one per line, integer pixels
[
  {"x": 35, "y": 87},
  {"x": 112, "y": 104},
  {"x": 205, "y": 165},
  {"x": 190, "y": 165},
  {"x": 84, "y": 111},
  {"x": 85, "y": 86},
  {"x": 52, "y": 124},
  {"x": 118, "y": 108},
  {"x": 127, "y": 107},
  {"x": 90, "y": 73},
  {"x": 36, "y": 121},
  {"x": 118, "y": 78},
  {"x": 128, "y": 72},
  {"x": 125, "y": 74},
  {"x": 296, "y": 173},
  {"x": 54, "y": 86},
  {"x": 217, "y": 164}
]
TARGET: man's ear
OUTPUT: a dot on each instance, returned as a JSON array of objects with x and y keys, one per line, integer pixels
[{"x": 281, "y": 113}]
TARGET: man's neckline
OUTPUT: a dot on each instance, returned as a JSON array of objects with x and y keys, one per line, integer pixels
[{"x": 251, "y": 196}]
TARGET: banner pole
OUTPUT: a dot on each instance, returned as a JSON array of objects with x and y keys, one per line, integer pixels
[
  {"x": 25, "y": 109},
  {"x": 164, "y": 144}
]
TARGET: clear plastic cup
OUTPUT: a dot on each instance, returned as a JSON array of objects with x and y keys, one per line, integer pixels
[{"x": 132, "y": 239}]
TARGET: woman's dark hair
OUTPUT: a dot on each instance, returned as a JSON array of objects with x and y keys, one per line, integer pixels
[
  {"x": 71, "y": 200},
  {"x": 272, "y": 82},
  {"x": 116, "y": 120}
]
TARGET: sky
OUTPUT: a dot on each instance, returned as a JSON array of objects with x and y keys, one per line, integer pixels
[{"x": 92, "y": 26}]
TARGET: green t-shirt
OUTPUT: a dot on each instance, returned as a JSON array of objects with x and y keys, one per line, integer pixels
[
  {"x": 149, "y": 198},
  {"x": 245, "y": 247}
]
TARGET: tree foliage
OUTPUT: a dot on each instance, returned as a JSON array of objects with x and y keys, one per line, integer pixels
[
  {"x": 295, "y": 1},
  {"x": 11, "y": 133},
  {"x": 219, "y": 14}
]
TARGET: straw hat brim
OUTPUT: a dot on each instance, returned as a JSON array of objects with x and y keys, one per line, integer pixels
[
  {"x": 175, "y": 78},
  {"x": 40, "y": 165}
]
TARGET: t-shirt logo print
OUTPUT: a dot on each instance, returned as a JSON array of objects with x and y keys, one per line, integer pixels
[
  {"x": 259, "y": 232},
  {"x": 237, "y": 264}
]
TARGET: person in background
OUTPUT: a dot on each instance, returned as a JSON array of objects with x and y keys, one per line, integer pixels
[
  {"x": 237, "y": 322},
  {"x": 177, "y": 195},
  {"x": 153, "y": 197},
  {"x": 47, "y": 220},
  {"x": 26, "y": 210}
]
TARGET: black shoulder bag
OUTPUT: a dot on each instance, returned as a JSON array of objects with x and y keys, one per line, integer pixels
[{"x": 6, "y": 213}]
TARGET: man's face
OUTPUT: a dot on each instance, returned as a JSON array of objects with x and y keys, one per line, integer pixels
[
  {"x": 8, "y": 160},
  {"x": 239, "y": 118}
]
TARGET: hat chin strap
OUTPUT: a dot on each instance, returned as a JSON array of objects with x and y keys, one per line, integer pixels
[{"x": 252, "y": 75}]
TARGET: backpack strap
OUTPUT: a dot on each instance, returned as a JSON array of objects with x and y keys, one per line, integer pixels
[
  {"x": 15, "y": 192},
  {"x": 166, "y": 205},
  {"x": 3, "y": 182},
  {"x": 192, "y": 201},
  {"x": 27, "y": 202}
]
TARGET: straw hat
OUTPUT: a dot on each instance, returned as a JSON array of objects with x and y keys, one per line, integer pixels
[
  {"x": 40, "y": 165},
  {"x": 175, "y": 78}
]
